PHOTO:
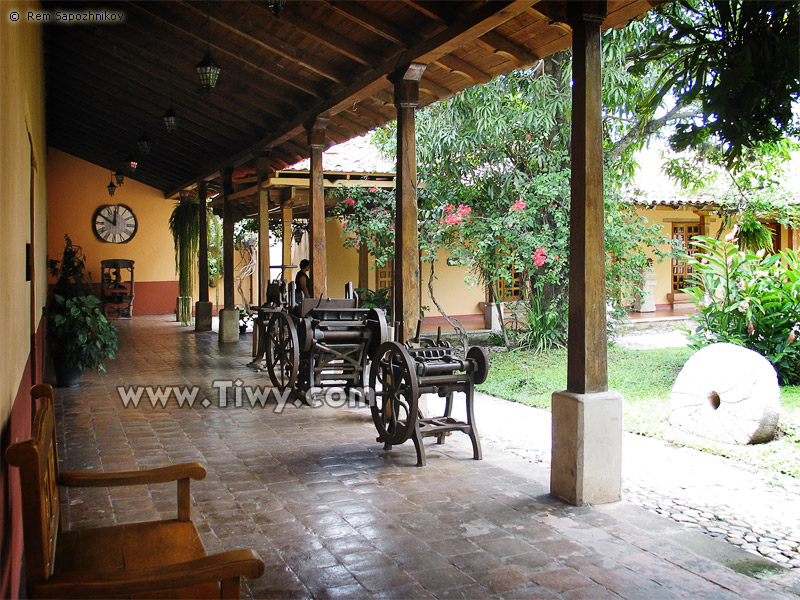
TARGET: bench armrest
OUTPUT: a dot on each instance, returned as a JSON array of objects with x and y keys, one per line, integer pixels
[
  {"x": 144, "y": 477},
  {"x": 107, "y": 584}
]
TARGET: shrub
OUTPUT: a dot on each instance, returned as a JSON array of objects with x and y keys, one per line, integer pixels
[{"x": 749, "y": 299}]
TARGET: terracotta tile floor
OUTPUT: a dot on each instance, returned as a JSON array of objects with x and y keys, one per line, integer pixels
[{"x": 331, "y": 514}]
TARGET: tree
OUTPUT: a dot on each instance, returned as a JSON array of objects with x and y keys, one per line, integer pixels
[{"x": 737, "y": 59}]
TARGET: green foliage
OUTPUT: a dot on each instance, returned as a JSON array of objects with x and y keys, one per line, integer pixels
[
  {"x": 215, "y": 262},
  {"x": 367, "y": 217},
  {"x": 81, "y": 334},
  {"x": 748, "y": 299},
  {"x": 77, "y": 330},
  {"x": 184, "y": 224},
  {"x": 738, "y": 59},
  {"x": 380, "y": 298}
]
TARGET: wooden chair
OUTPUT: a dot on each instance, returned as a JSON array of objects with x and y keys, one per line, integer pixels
[{"x": 157, "y": 559}]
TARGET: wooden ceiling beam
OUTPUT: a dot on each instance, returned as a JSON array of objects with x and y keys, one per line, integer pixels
[
  {"x": 118, "y": 97},
  {"x": 433, "y": 10},
  {"x": 94, "y": 123},
  {"x": 373, "y": 22},
  {"x": 476, "y": 23},
  {"x": 457, "y": 65},
  {"x": 157, "y": 11},
  {"x": 265, "y": 41},
  {"x": 518, "y": 55},
  {"x": 439, "y": 91},
  {"x": 143, "y": 76},
  {"x": 172, "y": 57},
  {"x": 327, "y": 37}
]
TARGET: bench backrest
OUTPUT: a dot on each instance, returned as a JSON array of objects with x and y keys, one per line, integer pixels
[{"x": 37, "y": 460}]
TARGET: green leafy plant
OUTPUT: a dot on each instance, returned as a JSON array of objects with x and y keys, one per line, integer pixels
[
  {"x": 78, "y": 332},
  {"x": 749, "y": 299},
  {"x": 184, "y": 224},
  {"x": 380, "y": 298}
]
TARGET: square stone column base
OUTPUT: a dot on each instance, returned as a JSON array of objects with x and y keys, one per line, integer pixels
[
  {"x": 202, "y": 316},
  {"x": 228, "y": 325},
  {"x": 586, "y": 463}
]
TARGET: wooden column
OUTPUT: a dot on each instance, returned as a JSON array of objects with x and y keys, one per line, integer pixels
[
  {"x": 202, "y": 247},
  {"x": 363, "y": 268},
  {"x": 794, "y": 239},
  {"x": 227, "y": 238},
  {"x": 587, "y": 363},
  {"x": 262, "y": 172},
  {"x": 286, "y": 224},
  {"x": 586, "y": 463},
  {"x": 406, "y": 282},
  {"x": 316, "y": 192}
]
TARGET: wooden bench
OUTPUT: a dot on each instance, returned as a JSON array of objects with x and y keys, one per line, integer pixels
[{"x": 156, "y": 559}]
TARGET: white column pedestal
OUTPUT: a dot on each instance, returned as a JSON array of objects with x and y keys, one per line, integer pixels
[
  {"x": 586, "y": 465},
  {"x": 228, "y": 325}
]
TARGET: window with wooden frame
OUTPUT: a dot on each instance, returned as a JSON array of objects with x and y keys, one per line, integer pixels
[
  {"x": 383, "y": 276},
  {"x": 681, "y": 271},
  {"x": 507, "y": 291}
]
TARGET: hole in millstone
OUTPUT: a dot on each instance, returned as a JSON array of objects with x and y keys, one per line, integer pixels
[{"x": 714, "y": 399}]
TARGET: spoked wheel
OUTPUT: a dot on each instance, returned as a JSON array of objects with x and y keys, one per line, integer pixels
[
  {"x": 283, "y": 354},
  {"x": 393, "y": 393}
]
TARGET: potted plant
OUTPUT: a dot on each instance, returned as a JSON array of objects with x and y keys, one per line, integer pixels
[
  {"x": 80, "y": 337},
  {"x": 245, "y": 318},
  {"x": 184, "y": 224}
]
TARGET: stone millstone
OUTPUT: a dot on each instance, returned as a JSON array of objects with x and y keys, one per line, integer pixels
[{"x": 727, "y": 393}]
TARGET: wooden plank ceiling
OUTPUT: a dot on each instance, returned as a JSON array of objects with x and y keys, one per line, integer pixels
[{"x": 107, "y": 84}]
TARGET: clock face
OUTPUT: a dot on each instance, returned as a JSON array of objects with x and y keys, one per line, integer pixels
[{"x": 114, "y": 223}]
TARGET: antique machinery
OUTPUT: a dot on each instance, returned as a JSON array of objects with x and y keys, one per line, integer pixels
[
  {"x": 400, "y": 373},
  {"x": 322, "y": 342}
]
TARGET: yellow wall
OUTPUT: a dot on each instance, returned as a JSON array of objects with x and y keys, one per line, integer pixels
[
  {"x": 450, "y": 286},
  {"x": 22, "y": 109},
  {"x": 77, "y": 188}
]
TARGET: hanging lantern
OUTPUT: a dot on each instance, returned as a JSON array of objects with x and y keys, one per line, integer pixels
[
  {"x": 276, "y": 6},
  {"x": 208, "y": 71},
  {"x": 170, "y": 120},
  {"x": 111, "y": 188},
  {"x": 130, "y": 165},
  {"x": 145, "y": 144},
  {"x": 119, "y": 176}
]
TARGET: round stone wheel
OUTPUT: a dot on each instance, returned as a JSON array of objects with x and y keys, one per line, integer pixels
[{"x": 727, "y": 393}]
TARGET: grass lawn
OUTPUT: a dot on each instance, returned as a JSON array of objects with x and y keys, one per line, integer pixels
[{"x": 645, "y": 378}]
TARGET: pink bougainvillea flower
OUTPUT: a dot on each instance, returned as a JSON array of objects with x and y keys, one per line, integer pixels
[
  {"x": 449, "y": 208},
  {"x": 539, "y": 256},
  {"x": 374, "y": 211},
  {"x": 452, "y": 219},
  {"x": 373, "y": 190},
  {"x": 791, "y": 336},
  {"x": 528, "y": 136},
  {"x": 518, "y": 205},
  {"x": 383, "y": 212},
  {"x": 344, "y": 223},
  {"x": 463, "y": 209},
  {"x": 441, "y": 221},
  {"x": 391, "y": 227},
  {"x": 349, "y": 201}
]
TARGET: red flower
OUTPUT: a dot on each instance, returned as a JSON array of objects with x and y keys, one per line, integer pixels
[
  {"x": 449, "y": 208},
  {"x": 374, "y": 211},
  {"x": 391, "y": 228},
  {"x": 791, "y": 336},
  {"x": 518, "y": 205},
  {"x": 349, "y": 201},
  {"x": 452, "y": 219},
  {"x": 539, "y": 256},
  {"x": 383, "y": 212},
  {"x": 463, "y": 209},
  {"x": 373, "y": 190}
]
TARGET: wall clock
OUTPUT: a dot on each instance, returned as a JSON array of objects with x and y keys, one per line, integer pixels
[{"x": 114, "y": 223}]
